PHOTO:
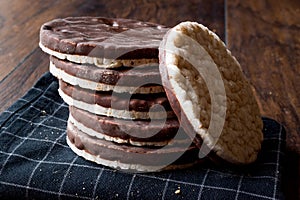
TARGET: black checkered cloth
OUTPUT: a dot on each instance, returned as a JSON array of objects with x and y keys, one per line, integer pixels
[{"x": 36, "y": 162}]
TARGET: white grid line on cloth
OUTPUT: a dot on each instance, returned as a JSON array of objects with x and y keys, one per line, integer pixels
[
  {"x": 40, "y": 162},
  {"x": 206, "y": 186},
  {"x": 65, "y": 176},
  {"x": 84, "y": 197},
  {"x": 42, "y": 93},
  {"x": 4, "y": 126},
  {"x": 92, "y": 167},
  {"x": 57, "y": 103},
  {"x": 277, "y": 164},
  {"x": 42, "y": 190},
  {"x": 37, "y": 89},
  {"x": 8, "y": 111},
  {"x": 44, "y": 125},
  {"x": 226, "y": 174},
  {"x": 19, "y": 116},
  {"x": 142, "y": 175},
  {"x": 170, "y": 180},
  {"x": 35, "y": 139},
  {"x": 158, "y": 178},
  {"x": 130, "y": 185},
  {"x": 267, "y": 163},
  {"x": 233, "y": 190},
  {"x": 166, "y": 187},
  {"x": 60, "y": 105},
  {"x": 202, "y": 184},
  {"x": 97, "y": 182},
  {"x": 239, "y": 187},
  {"x": 53, "y": 101},
  {"x": 31, "y": 132},
  {"x": 275, "y": 151},
  {"x": 60, "y": 119},
  {"x": 46, "y": 98},
  {"x": 31, "y": 105},
  {"x": 54, "y": 163},
  {"x": 256, "y": 195},
  {"x": 41, "y": 124}
]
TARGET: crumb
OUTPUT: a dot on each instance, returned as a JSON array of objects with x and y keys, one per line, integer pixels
[{"x": 178, "y": 191}]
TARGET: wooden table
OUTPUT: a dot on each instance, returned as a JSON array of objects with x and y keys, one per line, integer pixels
[{"x": 262, "y": 34}]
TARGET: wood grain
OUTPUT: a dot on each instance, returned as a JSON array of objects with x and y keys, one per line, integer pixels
[
  {"x": 264, "y": 36},
  {"x": 267, "y": 45}
]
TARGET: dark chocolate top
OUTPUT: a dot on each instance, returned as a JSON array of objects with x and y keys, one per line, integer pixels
[{"x": 103, "y": 37}]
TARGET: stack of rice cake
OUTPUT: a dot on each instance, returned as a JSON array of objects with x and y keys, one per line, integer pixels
[{"x": 108, "y": 75}]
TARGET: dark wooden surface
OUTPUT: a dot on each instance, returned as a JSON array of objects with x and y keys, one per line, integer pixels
[{"x": 263, "y": 35}]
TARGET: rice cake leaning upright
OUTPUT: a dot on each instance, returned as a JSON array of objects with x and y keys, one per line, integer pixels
[{"x": 209, "y": 94}]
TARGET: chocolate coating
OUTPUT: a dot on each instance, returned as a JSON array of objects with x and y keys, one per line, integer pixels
[
  {"x": 136, "y": 102},
  {"x": 103, "y": 37},
  {"x": 121, "y": 127},
  {"x": 130, "y": 154},
  {"x": 123, "y": 76}
]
